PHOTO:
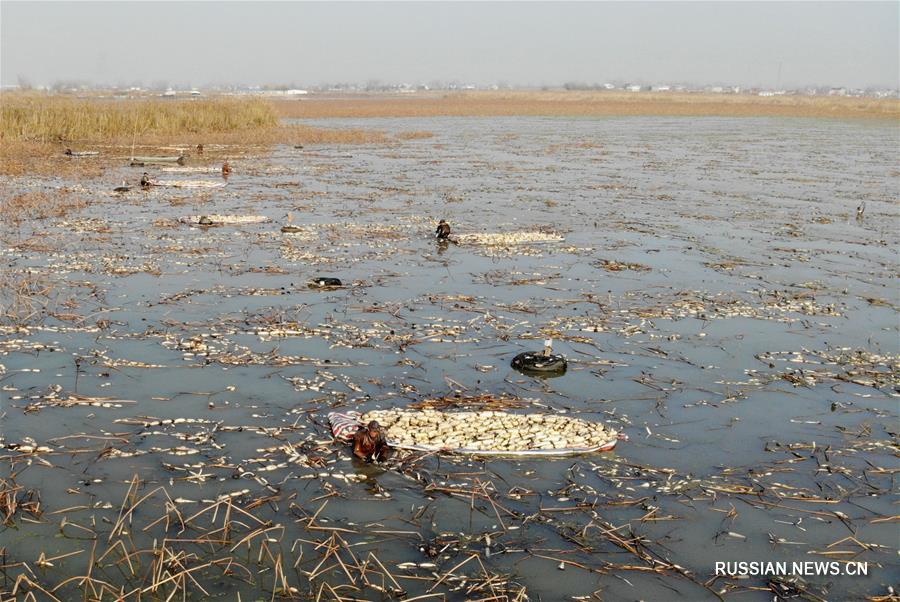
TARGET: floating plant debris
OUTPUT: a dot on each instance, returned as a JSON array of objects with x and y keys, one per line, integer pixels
[{"x": 165, "y": 386}]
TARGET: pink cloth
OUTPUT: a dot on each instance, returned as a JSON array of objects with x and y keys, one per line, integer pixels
[{"x": 344, "y": 424}]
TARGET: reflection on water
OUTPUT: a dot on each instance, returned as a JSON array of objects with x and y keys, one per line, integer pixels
[{"x": 706, "y": 279}]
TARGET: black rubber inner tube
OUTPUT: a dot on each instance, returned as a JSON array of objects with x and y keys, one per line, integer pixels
[
  {"x": 325, "y": 282},
  {"x": 531, "y": 361}
]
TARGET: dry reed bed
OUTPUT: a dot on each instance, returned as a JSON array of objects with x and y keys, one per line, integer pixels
[
  {"x": 36, "y": 129},
  {"x": 44, "y": 118},
  {"x": 477, "y": 104},
  {"x": 58, "y": 120}
]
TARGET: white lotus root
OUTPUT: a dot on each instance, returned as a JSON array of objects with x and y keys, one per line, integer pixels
[
  {"x": 226, "y": 219},
  {"x": 489, "y": 431},
  {"x": 505, "y": 239}
]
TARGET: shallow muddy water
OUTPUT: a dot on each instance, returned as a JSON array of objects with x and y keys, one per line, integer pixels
[{"x": 707, "y": 279}]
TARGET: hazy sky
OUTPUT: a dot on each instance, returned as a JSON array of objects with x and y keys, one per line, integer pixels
[{"x": 852, "y": 43}]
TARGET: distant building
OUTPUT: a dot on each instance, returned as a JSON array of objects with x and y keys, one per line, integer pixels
[{"x": 290, "y": 92}]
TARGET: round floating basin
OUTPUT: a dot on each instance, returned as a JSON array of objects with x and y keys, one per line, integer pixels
[
  {"x": 323, "y": 282},
  {"x": 535, "y": 362}
]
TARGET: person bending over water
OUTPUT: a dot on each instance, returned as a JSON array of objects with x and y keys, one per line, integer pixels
[
  {"x": 443, "y": 230},
  {"x": 369, "y": 443}
]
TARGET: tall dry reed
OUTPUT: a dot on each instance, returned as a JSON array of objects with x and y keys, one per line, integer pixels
[
  {"x": 36, "y": 128},
  {"x": 43, "y": 118}
]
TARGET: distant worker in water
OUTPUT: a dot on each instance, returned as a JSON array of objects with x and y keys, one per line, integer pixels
[
  {"x": 369, "y": 443},
  {"x": 199, "y": 149},
  {"x": 226, "y": 169},
  {"x": 145, "y": 181},
  {"x": 861, "y": 211},
  {"x": 443, "y": 230}
]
